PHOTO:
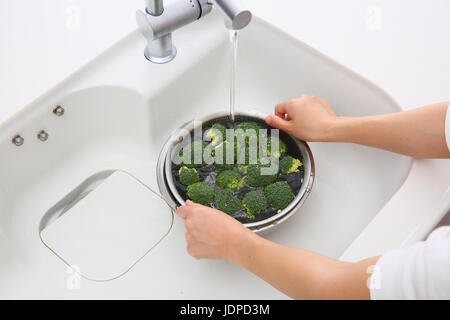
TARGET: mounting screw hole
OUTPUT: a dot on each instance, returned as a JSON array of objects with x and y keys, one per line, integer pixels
[
  {"x": 43, "y": 135},
  {"x": 18, "y": 140},
  {"x": 59, "y": 111}
]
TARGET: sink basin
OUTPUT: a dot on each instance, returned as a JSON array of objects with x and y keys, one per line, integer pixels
[{"x": 120, "y": 109}]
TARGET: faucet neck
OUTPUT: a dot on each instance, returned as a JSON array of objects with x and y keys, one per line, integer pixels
[
  {"x": 161, "y": 18},
  {"x": 154, "y": 7}
]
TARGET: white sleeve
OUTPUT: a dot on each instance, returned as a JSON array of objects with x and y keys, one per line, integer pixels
[
  {"x": 447, "y": 127},
  {"x": 421, "y": 271}
]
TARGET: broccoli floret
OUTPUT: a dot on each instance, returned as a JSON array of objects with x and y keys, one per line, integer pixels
[
  {"x": 254, "y": 202},
  {"x": 223, "y": 167},
  {"x": 196, "y": 160},
  {"x": 248, "y": 125},
  {"x": 224, "y": 147},
  {"x": 242, "y": 183},
  {"x": 279, "y": 194},
  {"x": 188, "y": 176},
  {"x": 247, "y": 156},
  {"x": 244, "y": 126},
  {"x": 228, "y": 179},
  {"x": 217, "y": 133},
  {"x": 200, "y": 193},
  {"x": 227, "y": 201},
  {"x": 242, "y": 168},
  {"x": 257, "y": 178},
  {"x": 276, "y": 153},
  {"x": 289, "y": 165}
]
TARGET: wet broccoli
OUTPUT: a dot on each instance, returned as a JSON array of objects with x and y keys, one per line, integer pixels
[
  {"x": 217, "y": 133},
  {"x": 225, "y": 148},
  {"x": 279, "y": 194},
  {"x": 242, "y": 183},
  {"x": 188, "y": 176},
  {"x": 248, "y": 125},
  {"x": 223, "y": 167},
  {"x": 254, "y": 202},
  {"x": 246, "y": 155},
  {"x": 196, "y": 160},
  {"x": 289, "y": 165},
  {"x": 242, "y": 168},
  {"x": 257, "y": 178},
  {"x": 228, "y": 179},
  {"x": 227, "y": 201},
  {"x": 200, "y": 193},
  {"x": 244, "y": 126},
  {"x": 276, "y": 153}
]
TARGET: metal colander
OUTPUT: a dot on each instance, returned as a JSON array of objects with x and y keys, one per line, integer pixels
[{"x": 171, "y": 193}]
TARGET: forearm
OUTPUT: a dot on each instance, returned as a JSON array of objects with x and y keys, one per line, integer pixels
[
  {"x": 303, "y": 274},
  {"x": 419, "y": 133}
]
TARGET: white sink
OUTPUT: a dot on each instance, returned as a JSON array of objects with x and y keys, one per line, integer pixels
[{"x": 120, "y": 109}]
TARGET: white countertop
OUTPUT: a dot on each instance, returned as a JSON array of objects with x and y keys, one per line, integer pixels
[{"x": 400, "y": 45}]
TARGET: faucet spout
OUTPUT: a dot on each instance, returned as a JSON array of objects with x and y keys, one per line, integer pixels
[
  {"x": 161, "y": 18},
  {"x": 236, "y": 16}
]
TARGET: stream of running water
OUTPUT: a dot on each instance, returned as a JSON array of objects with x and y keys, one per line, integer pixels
[{"x": 234, "y": 51}]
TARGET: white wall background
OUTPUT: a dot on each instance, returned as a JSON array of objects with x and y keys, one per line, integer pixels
[{"x": 402, "y": 45}]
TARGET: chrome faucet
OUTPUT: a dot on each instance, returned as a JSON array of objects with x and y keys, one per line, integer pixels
[{"x": 160, "y": 19}]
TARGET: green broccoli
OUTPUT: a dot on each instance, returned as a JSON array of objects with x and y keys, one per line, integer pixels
[
  {"x": 196, "y": 160},
  {"x": 242, "y": 168},
  {"x": 279, "y": 194},
  {"x": 246, "y": 155},
  {"x": 248, "y": 125},
  {"x": 200, "y": 193},
  {"x": 223, "y": 167},
  {"x": 188, "y": 176},
  {"x": 257, "y": 178},
  {"x": 242, "y": 183},
  {"x": 244, "y": 126},
  {"x": 217, "y": 133},
  {"x": 227, "y": 201},
  {"x": 289, "y": 165},
  {"x": 276, "y": 153},
  {"x": 224, "y": 147},
  {"x": 254, "y": 202},
  {"x": 228, "y": 179}
]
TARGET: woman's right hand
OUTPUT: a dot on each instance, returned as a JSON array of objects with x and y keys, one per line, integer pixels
[{"x": 306, "y": 118}]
